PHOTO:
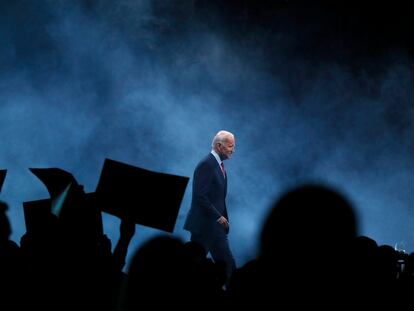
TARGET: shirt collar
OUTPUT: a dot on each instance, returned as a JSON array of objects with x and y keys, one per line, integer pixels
[{"x": 215, "y": 154}]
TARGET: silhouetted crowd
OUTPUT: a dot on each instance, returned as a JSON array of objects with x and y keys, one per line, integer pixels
[{"x": 310, "y": 254}]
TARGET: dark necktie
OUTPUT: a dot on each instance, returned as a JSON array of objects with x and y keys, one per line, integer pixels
[{"x": 222, "y": 169}]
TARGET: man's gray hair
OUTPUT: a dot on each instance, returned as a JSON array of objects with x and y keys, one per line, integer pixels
[{"x": 220, "y": 137}]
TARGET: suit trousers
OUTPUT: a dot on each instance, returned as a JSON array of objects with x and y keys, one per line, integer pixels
[{"x": 219, "y": 249}]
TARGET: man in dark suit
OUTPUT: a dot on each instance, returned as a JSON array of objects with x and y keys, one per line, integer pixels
[{"x": 207, "y": 219}]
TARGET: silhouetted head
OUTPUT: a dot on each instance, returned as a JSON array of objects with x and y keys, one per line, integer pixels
[
  {"x": 156, "y": 272},
  {"x": 156, "y": 254},
  {"x": 307, "y": 219},
  {"x": 195, "y": 250}
]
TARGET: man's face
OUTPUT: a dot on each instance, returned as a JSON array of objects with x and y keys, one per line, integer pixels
[{"x": 226, "y": 148}]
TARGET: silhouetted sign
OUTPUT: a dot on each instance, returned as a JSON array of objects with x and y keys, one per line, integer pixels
[
  {"x": 55, "y": 179},
  {"x": 2, "y": 177},
  {"x": 37, "y": 214},
  {"x": 145, "y": 197},
  {"x": 66, "y": 198}
]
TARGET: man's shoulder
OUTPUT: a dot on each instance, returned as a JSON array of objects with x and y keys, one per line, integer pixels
[{"x": 208, "y": 160}]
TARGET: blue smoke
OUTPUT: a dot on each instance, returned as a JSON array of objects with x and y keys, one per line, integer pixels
[{"x": 150, "y": 84}]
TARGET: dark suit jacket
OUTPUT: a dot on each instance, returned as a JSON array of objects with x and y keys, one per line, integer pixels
[{"x": 208, "y": 202}]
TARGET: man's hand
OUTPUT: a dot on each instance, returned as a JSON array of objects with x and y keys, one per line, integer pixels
[{"x": 223, "y": 221}]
